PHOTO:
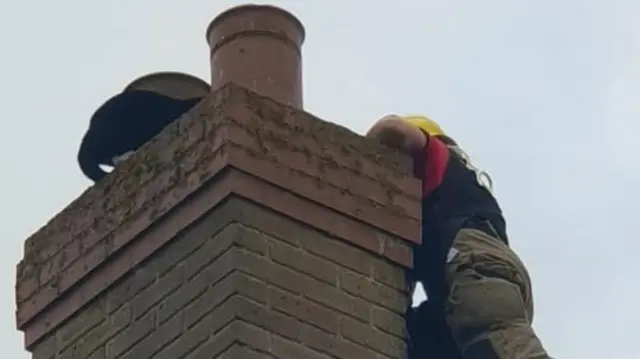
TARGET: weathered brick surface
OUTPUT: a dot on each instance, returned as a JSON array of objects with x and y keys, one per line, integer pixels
[
  {"x": 283, "y": 159},
  {"x": 314, "y": 160},
  {"x": 244, "y": 282}
]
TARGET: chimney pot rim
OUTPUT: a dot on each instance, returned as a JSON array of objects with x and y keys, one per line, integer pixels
[
  {"x": 247, "y": 7},
  {"x": 178, "y": 76}
]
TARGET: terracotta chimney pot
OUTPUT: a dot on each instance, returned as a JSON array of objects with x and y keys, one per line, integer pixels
[{"x": 258, "y": 47}]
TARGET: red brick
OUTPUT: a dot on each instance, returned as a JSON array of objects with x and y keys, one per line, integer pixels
[
  {"x": 124, "y": 290},
  {"x": 398, "y": 251},
  {"x": 285, "y": 349},
  {"x": 318, "y": 292},
  {"x": 84, "y": 346},
  {"x": 26, "y": 287},
  {"x": 372, "y": 291},
  {"x": 272, "y": 223},
  {"x": 95, "y": 338},
  {"x": 190, "y": 242},
  {"x": 242, "y": 352},
  {"x": 250, "y": 335},
  {"x": 262, "y": 317},
  {"x": 154, "y": 293},
  {"x": 212, "y": 263},
  {"x": 367, "y": 336},
  {"x": 216, "y": 245},
  {"x": 299, "y": 260},
  {"x": 297, "y": 306},
  {"x": 62, "y": 260},
  {"x": 119, "y": 319},
  {"x": 195, "y": 287},
  {"x": 333, "y": 346},
  {"x": 213, "y": 347},
  {"x": 46, "y": 348},
  {"x": 128, "y": 337},
  {"x": 251, "y": 239},
  {"x": 255, "y": 265},
  {"x": 391, "y": 275},
  {"x": 187, "y": 342},
  {"x": 88, "y": 319},
  {"x": 101, "y": 353},
  {"x": 195, "y": 336},
  {"x": 236, "y": 332},
  {"x": 339, "y": 252},
  {"x": 389, "y": 322},
  {"x": 235, "y": 283},
  {"x": 159, "y": 338}
]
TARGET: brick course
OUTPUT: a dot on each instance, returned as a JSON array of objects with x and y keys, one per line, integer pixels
[{"x": 235, "y": 285}]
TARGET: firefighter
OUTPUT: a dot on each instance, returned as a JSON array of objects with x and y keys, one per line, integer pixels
[{"x": 471, "y": 276}]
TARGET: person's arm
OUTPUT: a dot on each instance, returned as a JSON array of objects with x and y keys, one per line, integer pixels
[
  {"x": 430, "y": 155},
  {"x": 395, "y": 132}
]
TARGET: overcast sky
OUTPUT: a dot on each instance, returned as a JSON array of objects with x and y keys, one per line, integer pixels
[{"x": 544, "y": 94}]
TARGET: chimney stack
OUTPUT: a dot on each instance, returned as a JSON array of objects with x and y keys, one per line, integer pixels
[
  {"x": 245, "y": 230},
  {"x": 258, "y": 47}
]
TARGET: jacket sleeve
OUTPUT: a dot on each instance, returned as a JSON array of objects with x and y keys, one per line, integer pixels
[{"x": 431, "y": 164}]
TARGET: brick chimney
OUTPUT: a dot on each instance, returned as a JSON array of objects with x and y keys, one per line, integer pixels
[{"x": 248, "y": 229}]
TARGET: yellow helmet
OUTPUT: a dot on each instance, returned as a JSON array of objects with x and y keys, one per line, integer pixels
[{"x": 426, "y": 124}]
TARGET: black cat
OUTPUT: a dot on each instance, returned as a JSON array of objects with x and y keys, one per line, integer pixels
[{"x": 124, "y": 123}]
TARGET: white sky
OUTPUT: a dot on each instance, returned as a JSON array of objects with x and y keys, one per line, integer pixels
[{"x": 544, "y": 94}]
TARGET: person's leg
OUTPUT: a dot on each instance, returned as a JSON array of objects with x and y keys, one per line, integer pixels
[
  {"x": 429, "y": 335},
  {"x": 489, "y": 307}
]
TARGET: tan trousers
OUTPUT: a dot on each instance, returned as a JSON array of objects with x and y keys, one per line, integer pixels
[{"x": 489, "y": 307}]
